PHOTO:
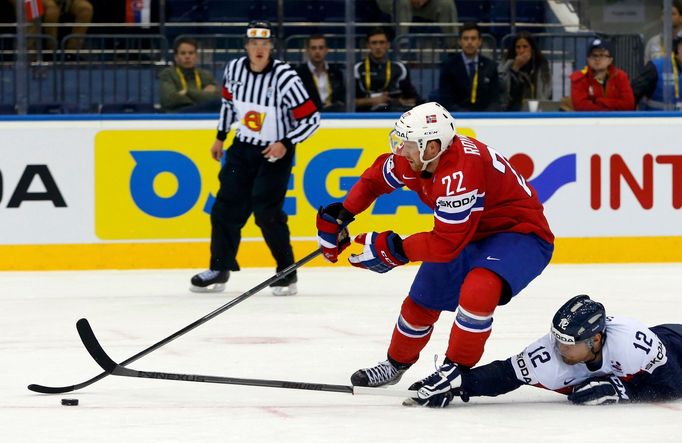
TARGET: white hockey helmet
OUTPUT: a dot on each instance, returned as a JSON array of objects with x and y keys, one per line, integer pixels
[{"x": 421, "y": 124}]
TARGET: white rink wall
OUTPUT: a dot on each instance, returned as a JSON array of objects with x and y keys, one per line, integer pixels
[{"x": 116, "y": 194}]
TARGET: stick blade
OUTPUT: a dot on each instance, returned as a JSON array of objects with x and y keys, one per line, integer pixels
[
  {"x": 50, "y": 390},
  {"x": 94, "y": 348}
]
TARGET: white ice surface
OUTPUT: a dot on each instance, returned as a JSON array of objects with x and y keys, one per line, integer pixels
[{"x": 341, "y": 321}]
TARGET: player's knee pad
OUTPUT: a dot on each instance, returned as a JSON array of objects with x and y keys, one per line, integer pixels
[
  {"x": 478, "y": 298},
  {"x": 416, "y": 314},
  {"x": 480, "y": 293}
]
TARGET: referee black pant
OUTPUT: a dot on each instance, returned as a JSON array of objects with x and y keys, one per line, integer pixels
[{"x": 249, "y": 183}]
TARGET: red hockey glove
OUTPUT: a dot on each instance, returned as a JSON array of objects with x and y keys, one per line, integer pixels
[
  {"x": 332, "y": 234},
  {"x": 383, "y": 252}
]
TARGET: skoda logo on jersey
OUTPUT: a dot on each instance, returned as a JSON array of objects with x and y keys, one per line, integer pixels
[{"x": 254, "y": 120}]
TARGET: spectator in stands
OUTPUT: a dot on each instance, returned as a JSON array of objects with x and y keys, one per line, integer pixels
[
  {"x": 438, "y": 11},
  {"x": 324, "y": 82},
  {"x": 524, "y": 74},
  {"x": 654, "y": 47},
  {"x": 186, "y": 88},
  {"x": 469, "y": 81},
  {"x": 600, "y": 86},
  {"x": 648, "y": 86},
  {"x": 54, "y": 11},
  {"x": 380, "y": 83}
]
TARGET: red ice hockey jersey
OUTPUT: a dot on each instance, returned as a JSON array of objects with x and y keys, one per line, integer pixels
[{"x": 474, "y": 193}]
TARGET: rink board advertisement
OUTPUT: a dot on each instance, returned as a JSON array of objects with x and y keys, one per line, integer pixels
[{"x": 137, "y": 193}]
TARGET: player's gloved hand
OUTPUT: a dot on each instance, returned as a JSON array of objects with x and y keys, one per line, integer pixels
[
  {"x": 599, "y": 391},
  {"x": 383, "y": 252},
  {"x": 332, "y": 234},
  {"x": 438, "y": 389}
]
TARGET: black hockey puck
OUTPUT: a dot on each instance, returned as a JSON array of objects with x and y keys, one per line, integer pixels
[{"x": 69, "y": 401}]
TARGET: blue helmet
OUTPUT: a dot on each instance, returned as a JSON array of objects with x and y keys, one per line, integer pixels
[{"x": 578, "y": 319}]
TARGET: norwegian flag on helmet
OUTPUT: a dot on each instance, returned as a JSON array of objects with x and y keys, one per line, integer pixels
[
  {"x": 34, "y": 9},
  {"x": 431, "y": 118}
]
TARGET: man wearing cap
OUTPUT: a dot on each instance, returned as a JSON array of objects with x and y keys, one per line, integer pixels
[
  {"x": 600, "y": 86},
  {"x": 649, "y": 86},
  {"x": 273, "y": 112}
]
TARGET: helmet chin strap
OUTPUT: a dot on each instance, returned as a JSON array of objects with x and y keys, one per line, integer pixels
[
  {"x": 424, "y": 173},
  {"x": 425, "y": 163},
  {"x": 595, "y": 355}
]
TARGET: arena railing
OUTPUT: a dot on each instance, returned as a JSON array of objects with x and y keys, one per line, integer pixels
[
  {"x": 42, "y": 79},
  {"x": 112, "y": 69},
  {"x": 123, "y": 68}
]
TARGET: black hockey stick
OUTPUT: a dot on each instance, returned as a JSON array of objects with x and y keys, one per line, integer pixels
[
  {"x": 111, "y": 367},
  {"x": 283, "y": 273}
]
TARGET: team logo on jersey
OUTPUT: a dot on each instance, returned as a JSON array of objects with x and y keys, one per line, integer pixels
[
  {"x": 616, "y": 366},
  {"x": 254, "y": 120},
  {"x": 455, "y": 209},
  {"x": 660, "y": 359},
  {"x": 431, "y": 118}
]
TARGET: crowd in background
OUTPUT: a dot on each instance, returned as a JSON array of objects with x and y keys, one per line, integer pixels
[{"x": 469, "y": 80}]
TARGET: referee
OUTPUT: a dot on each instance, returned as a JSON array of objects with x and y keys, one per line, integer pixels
[{"x": 273, "y": 112}]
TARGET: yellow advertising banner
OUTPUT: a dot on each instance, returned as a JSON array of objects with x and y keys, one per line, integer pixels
[{"x": 160, "y": 185}]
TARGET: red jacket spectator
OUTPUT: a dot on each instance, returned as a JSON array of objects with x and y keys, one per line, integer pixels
[{"x": 615, "y": 94}]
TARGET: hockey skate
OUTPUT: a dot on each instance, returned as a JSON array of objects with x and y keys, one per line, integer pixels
[
  {"x": 209, "y": 281},
  {"x": 386, "y": 372},
  {"x": 436, "y": 390},
  {"x": 285, "y": 285}
]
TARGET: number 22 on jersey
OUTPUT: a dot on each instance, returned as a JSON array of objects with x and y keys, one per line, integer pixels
[{"x": 500, "y": 163}]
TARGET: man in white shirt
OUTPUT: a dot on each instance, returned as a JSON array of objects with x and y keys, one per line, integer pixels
[{"x": 323, "y": 81}]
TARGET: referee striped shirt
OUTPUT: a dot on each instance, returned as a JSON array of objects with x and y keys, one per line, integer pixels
[{"x": 269, "y": 106}]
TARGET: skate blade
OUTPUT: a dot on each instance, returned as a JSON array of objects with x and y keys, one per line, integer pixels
[
  {"x": 285, "y": 290},
  {"x": 218, "y": 287}
]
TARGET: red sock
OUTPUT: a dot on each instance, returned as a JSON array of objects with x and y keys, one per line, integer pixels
[
  {"x": 411, "y": 332},
  {"x": 478, "y": 298}
]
